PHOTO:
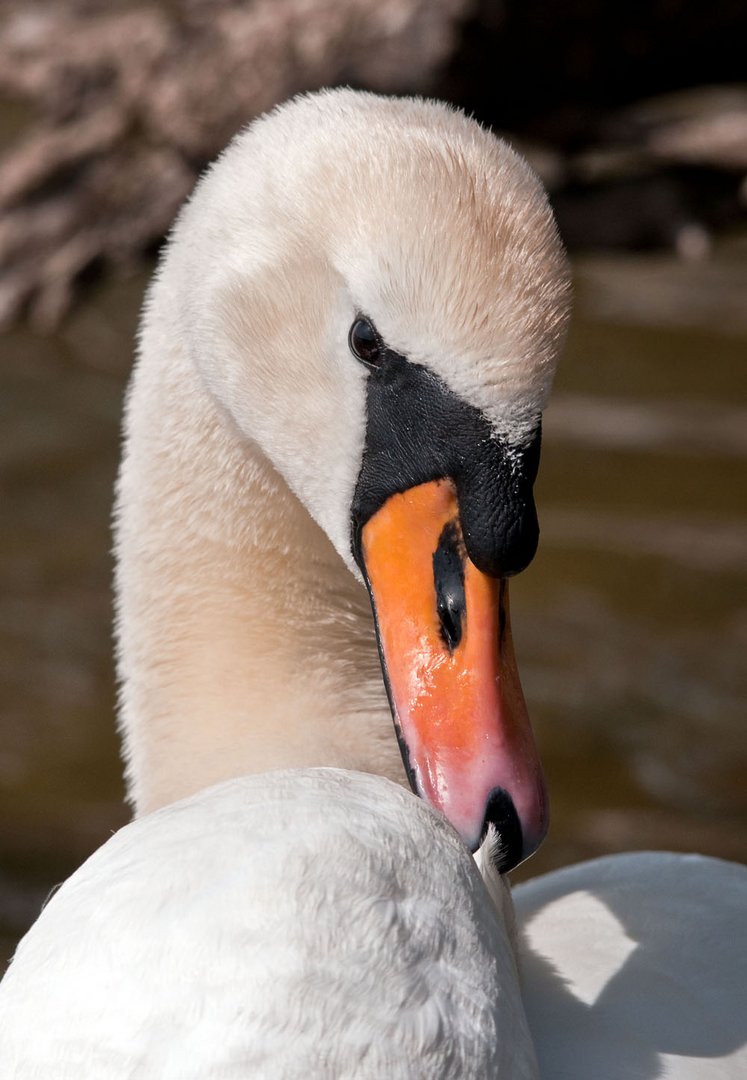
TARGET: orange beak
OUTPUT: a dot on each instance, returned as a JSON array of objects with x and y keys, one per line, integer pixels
[{"x": 449, "y": 664}]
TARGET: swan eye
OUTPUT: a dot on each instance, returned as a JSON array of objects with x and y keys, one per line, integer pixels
[{"x": 365, "y": 342}]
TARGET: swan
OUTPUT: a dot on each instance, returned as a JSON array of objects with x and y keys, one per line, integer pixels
[
  {"x": 324, "y": 923},
  {"x": 342, "y": 366},
  {"x": 331, "y": 440},
  {"x": 302, "y": 923},
  {"x": 635, "y": 967},
  {"x": 343, "y": 363}
]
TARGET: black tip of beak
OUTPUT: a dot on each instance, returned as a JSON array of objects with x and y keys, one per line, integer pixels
[{"x": 509, "y": 849}]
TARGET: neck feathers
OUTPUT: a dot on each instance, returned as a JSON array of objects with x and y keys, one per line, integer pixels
[{"x": 244, "y": 643}]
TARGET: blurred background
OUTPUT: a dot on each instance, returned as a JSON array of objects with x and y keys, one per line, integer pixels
[{"x": 630, "y": 626}]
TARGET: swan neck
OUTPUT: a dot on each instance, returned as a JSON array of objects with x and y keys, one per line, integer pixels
[{"x": 244, "y": 643}]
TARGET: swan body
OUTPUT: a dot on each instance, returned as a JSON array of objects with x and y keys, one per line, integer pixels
[
  {"x": 326, "y": 923},
  {"x": 296, "y": 924},
  {"x": 635, "y": 966}
]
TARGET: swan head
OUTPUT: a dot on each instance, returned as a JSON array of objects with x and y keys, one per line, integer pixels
[{"x": 374, "y": 293}]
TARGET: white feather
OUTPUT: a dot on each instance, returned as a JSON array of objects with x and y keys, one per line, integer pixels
[
  {"x": 636, "y": 967},
  {"x": 290, "y": 925},
  {"x": 329, "y": 924}
]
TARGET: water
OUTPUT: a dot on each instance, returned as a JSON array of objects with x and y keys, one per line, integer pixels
[{"x": 630, "y": 626}]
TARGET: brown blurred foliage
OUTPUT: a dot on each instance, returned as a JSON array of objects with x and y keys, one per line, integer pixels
[{"x": 130, "y": 99}]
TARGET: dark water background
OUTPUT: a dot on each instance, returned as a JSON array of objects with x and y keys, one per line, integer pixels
[{"x": 630, "y": 626}]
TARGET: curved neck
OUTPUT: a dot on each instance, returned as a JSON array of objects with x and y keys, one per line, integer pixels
[{"x": 244, "y": 643}]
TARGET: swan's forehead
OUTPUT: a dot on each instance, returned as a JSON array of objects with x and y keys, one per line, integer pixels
[{"x": 459, "y": 264}]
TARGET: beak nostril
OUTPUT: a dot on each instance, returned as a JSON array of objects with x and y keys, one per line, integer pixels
[
  {"x": 450, "y": 616},
  {"x": 448, "y": 578}
]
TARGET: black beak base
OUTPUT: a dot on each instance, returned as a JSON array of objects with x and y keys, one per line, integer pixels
[{"x": 419, "y": 430}]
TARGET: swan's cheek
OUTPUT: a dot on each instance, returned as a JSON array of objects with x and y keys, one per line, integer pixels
[
  {"x": 273, "y": 352},
  {"x": 448, "y": 660}
]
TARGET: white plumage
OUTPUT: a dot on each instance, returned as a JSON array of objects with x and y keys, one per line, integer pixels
[
  {"x": 289, "y": 925},
  {"x": 328, "y": 924},
  {"x": 635, "y": 968}
]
